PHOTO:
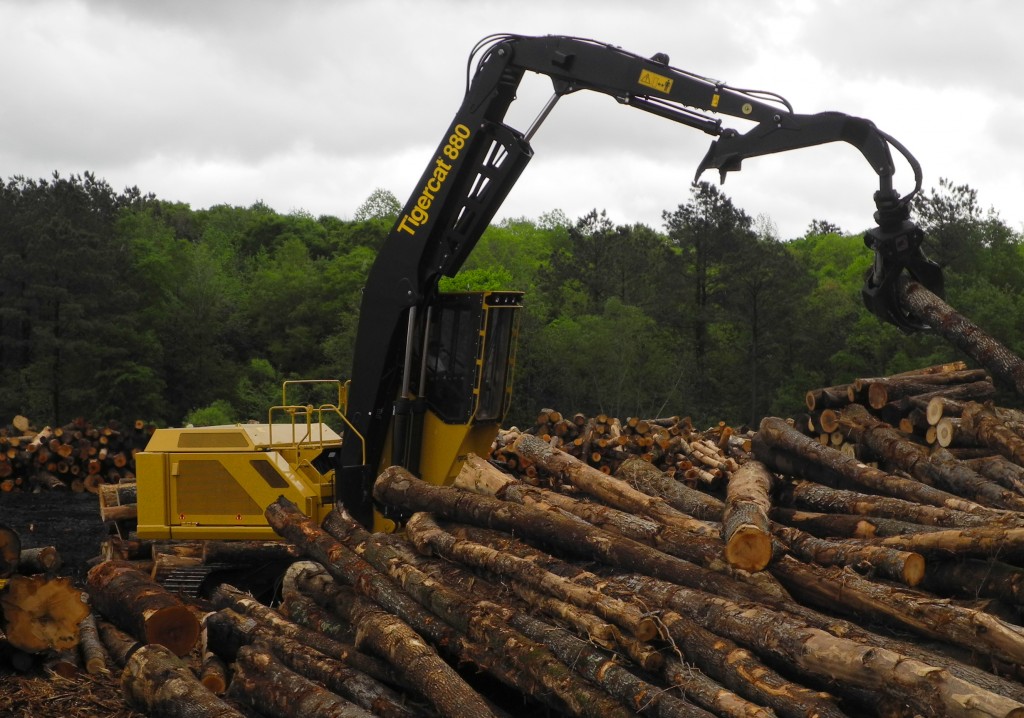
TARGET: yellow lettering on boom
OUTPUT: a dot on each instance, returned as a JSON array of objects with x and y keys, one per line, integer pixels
[{"x": 419, "y": 215}]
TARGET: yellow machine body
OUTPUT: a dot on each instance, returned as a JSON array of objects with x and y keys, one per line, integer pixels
[{"x": 214, "y": 482}]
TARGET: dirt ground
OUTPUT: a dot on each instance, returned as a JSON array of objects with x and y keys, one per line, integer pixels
[{"x": 71, "y": 523}]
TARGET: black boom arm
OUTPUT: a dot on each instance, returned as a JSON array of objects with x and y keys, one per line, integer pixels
[{"x": 480, "y": 158}]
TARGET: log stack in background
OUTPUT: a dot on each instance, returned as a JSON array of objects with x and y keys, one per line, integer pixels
[{"x": 78, "y": 456}]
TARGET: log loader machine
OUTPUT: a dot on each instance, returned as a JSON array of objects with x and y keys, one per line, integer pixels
[{"x": 431, "y": 379}]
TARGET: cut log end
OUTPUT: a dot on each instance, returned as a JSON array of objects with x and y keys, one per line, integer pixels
[
  {"x": 749, "y": 548},
  {"x": 913, "y": 569}
]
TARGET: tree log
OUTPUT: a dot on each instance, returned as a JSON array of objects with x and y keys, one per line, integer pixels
[
  {"x": 248, "y": 552},
  {"x": 985, "y": 427},
  {"x": 745, "y": 526},
  {"x": 486, "y": 619},
  {"x": 94, "y": 655},
  {"x": 646, "y": 477},
  {"x": 936, "y": 468},
  {"x": 41, "y": 613},
  {"x": 393, "y": 637},
  {"x": 120, "y": 646},
  {"x": 230, "y": 633},
  {"x": 814, "y": 651},
  {"x": 42, "y": 559},
  {"x": 921, "y": 613},
  {"x": 159, "y": 683},
  {"x": 398, "y": 487},
  {"x": 809, "y": 495},
  {"x": 142, "y": 607},
  {"x": 778, "y": 434},
  {"x": 429, "y": 538},
  {"x": 262, "y": 682},
  {"x": 962, "y": 333},
  {"x": 10, "y": 550}
]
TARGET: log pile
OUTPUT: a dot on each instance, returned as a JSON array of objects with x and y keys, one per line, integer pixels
[
  {"x": 78, "y": 456},
  {"x": 857, "y": 560}
]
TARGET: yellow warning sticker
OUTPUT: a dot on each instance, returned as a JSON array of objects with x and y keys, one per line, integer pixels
[{"x": 655, "y": 81}]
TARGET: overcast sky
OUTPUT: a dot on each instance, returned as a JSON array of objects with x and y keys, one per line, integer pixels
[{"x": 311, "y": 104}]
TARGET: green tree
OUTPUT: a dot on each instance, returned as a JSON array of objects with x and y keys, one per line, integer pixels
[{"x": 381, "y": 204}]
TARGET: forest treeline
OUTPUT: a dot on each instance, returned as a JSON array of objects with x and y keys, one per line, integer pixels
[{"x": 122, "y": 305}]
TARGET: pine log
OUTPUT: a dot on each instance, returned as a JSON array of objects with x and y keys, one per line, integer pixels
[
  {"x": 976, "y": 578},
  {"x": 741, "y": 671},
  {"x": 985, "y": 427},
  {"x": 703, "y": 546},
  {"x": 1001, "y": 470},
  {"x": 883, "y": 390},
  {"x": 829, "y": 397},
  {"x": 429, "y": 538},
  {"x": 609, "y": 490},
  {"x": 230, "y": 633},
  {"x": 826, "y": 499},
  {"x": 226, "y": 596},
  {"x": 918, "y": 612},
  {"x": 213, "y": 673},
  {"x": 1003, "y": 364},
  {"x": 394, "y": 638},
  {"x": 497, "y": 624},
  {"x": 936, "y": 467},
  {"x": 262, "y": 682},
  {"x": 10, "y": 550},
  {"x": 42, "y": 559},
  {"x": 120, "y": 646},
  {"x": 905, "y": 566},
  {"x": 237, "y": 553},
  {"x": 646, "y": 477},
  {"x": 142, "y": 607},
  {"x": 160, "y": 684},
  {"x": 397, "y": 487},
  {"x": 746, "y": 529},
  {"x": 807, "y": 649},
  {"x": 94, "y": 655},
  {"x": 39, "y": 613},
  {"x": 777, "y": 433},
  {"x": 840, "y": 525}
]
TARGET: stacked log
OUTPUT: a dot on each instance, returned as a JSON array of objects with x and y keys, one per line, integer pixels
[{"x": 78, "y": 456}]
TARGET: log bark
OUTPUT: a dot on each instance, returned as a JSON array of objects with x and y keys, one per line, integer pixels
[
  {"x": 826, "y": 499},
  {"x": 986, "y": 428},
  {"x": 490, "y": 623},
  {"x": 120, "y": 646},
  {"x": 704, "y": 548},
  {"x": 1001, "y": 470},
  {"x": 1003, "y": 364},
  {"x": 395, "y": 640},
  {"x": 94, "y": 655},
  {"x": 42, "y": 559},
  {"x": 10, "y": 550},
  {"x": 777, "y": 433},
  {"x": 918, "y": 612},
  {"x": 160, "y": 684},
  {"x": 237, "y": 553},
  {"x": 142, "y": 607},
  {"x": 814, "y": 651},
  {"x": 41, "y": 613},
  {"x": 230, "y": 632},
  {"x": 746, "y": 529},
  {"x": 646, "y": 477},
  {"x": 429, "y": 538},
  {"x": 398, "y": 487},
  {"x": 264, "y": 683},
  {"x": 905, "y": 566},
  {"x": 226, "y": 596}
]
